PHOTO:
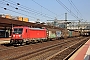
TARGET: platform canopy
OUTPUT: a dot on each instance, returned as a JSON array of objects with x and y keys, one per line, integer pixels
[{"x": 4, "y": 22}]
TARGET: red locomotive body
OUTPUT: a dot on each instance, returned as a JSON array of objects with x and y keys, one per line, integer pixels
[{"x": 26, "y": 34}]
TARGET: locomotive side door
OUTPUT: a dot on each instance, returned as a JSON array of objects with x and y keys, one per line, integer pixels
[{"x": 27, "y": 33}]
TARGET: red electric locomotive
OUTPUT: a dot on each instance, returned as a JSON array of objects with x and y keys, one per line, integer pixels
[{"x": 27, "y": 34}]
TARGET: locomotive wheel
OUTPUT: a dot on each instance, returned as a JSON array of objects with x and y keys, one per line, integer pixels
[
  {"x": 22, "y": 42},
  {"x": 27, "y": 42},
  {"x": 11, "y": 41},
  {"x": 33, "y": 42}
]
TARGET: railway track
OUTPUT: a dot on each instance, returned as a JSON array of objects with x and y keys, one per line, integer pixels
[
  {"x": 7, "y": 52},
  {"x": 31, "y": 52},
  {"x": 69, "y": 51},
  {"x": 43, "y": 55},
  {"x": 4, "y": 47}
]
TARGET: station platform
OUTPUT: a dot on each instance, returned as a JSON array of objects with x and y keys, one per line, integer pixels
[
  {"x": 4, "y": 40},
  {"x": 83, "y": 53}
]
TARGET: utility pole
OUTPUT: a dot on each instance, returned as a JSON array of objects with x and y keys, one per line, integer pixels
[
  {"x": 65, "y": 16},
  {"x": 65, "y": 32},
  {"x": 79, "y": 24},
  {"x": 66, "y": 20}
]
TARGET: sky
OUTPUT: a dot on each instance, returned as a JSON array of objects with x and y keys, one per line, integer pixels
[{"x": 44, "y": 10}]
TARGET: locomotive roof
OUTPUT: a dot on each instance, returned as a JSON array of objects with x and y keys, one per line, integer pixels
[
  {"x": 29, "y": 28},
  {"x": 36, "y": 29}
]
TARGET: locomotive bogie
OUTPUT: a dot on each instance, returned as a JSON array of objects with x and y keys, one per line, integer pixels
[{"x": 16, "y": 41}]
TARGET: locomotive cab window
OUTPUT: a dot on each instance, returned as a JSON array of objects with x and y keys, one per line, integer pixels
[{"x": 17, "y": 30}]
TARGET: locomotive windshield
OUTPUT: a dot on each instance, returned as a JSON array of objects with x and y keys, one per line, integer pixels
[{"x": 17, "y": 30}]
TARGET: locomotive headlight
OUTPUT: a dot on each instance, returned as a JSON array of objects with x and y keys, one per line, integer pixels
[
  {"x": 20, "y": 35},
  {"x": 13, "y": 35}
]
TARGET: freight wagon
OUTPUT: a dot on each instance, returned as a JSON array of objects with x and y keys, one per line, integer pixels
[
  {"x": 73, "y": 33},
  {"x": 76, "y": 33},
  {"x": 53, "y": 33},
  {"x": 65, "y": 34}
]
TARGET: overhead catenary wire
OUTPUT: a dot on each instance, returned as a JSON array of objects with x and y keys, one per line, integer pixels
[
  {"x": 44, "y": 7},
  {"x": 11, "y": 10},
  {"x": 16, "y": 12},
  {"x": 29, "y": 9},
  {"x": 67, "y": 9},
  {"x": 47, "y": 9},
  {"x": 75, "y": 8}
]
